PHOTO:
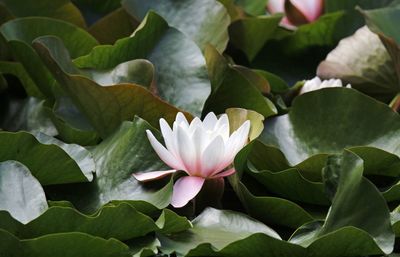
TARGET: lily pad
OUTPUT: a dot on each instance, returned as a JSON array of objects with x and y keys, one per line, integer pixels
[
  {"x": 19, "y": 35},
  {"x": 356, "y": 203},
  {"x": 46, "y": 158},
  {"x": 205, "y": 22},
  {"x": 351, "y": 62},
  {"x": 181, "y": 75},
  {"x": 59, "y": 219},
  {"x": 114, "y": 180},
  {"x": 105, "y": 106},
  {"x": 322, "y": 122},
  {"x": 216, "y": 228},
  {"x": 58, "y": 9},
  {"x": 21, "y": 195},
  {"x": 64, "y": 244},
  {"x": 233, "y": 87}
]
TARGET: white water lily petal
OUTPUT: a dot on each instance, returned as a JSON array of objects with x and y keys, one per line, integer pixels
[
  {"x": 210, "y": 121},
  {"x": 196, "y": 122},
  {"x": 148, "y": 176},
  {"x": 235, "y": 143},
  {"x": 199, "y": 144},
  {"x": 224, "y": 173},
  {"x": 186, "y": 149},
  {"x": 212, "y": 156},
  {"x": 181, "y": 120},
  {"x": 316, "y": 84},
  {"x": 163, "y": 153},
  {"x": 185, "y": 189},
  {"x": 203, "y": 149},
  {"x": 166, "y": 131}
]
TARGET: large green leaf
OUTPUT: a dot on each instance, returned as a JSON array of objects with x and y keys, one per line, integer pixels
[
  {"x": 181, "y": 75},
  {"x": 115, "y": 25},
  {"x": 21, "y": 195},
  {"x": 337, "y": 5},
  {"x": 105, "y": 106},
  {"x": 20, "y": 33},
  {"x": 323, "y": 122},
  {"x": 214, "y": 230},
  {"x": 58, "y": 9},
  {"x": 71, "y": 125},
  {"x": 303, "y": 182},
  {"x": 233, "y": 87},
  {"x": 63, "y": 245},
  {"x": 30, "y": 114},
  {"x": 117, "y": 158},
  {"x": 49, "y": 160},
  {"x": 382, "y": 21},
  {"x": 269, "y": 209},
  {"x": 351, "y": 62},
  {"x": 17, "y": 70},
  {"x": 205, "y": 22},
  {"x": 58, "y": 219},
  {"x": 253, "y": 7},
  {"x": 356, "y": 203},
  {"x": 250, "y": 34}
]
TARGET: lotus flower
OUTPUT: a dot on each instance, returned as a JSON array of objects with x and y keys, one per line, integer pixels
[
  {"x": 316, "y": 83},
  {"x": 202, "y": 149},
  {"x": 298, "y": 12}
]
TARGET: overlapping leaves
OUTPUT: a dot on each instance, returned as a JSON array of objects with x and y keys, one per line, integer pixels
[{"x": 322, "y": 175}]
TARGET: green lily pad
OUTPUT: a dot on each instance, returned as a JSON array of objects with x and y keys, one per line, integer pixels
[
  {"x": 19, "y": 34},
  {"x": 114, "y": 181},
  {"x": 323, "y": 122},
  {"x": 21, "y": 195},
  {"x": 104, "y": 106},
  {"x": 269, "y": 209},
  {"x": 63, "y": 244},
  {"x": 250, "y": 34},
  {"x": 17, "y": 70},
  {"x": 205, "y": 22},
  {"x": 59, "y": 219},
  {"x": 381, "y": 21},
  {"x": 57, "y": 9},
  {"x": 115, "y": 25},
  {"x": 30, "y": 114},
  {"x": 233, "y": 87},
  {"x": 350, "y": 61},
  {"x": 216, "y": 228},
  {"x": 71, "y": 125},
  {"x": 356, "y": 203},
  {"x": 181, "y": 75},
  {"x": 49, "y": 160},
  {"x": 252, "y": 7}
]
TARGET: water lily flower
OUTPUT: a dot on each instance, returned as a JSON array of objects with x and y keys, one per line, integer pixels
[
  {"x": 202, "y": 149},
  {"x": 316, "y": 83},
  {"x": 297, "y": 12}
]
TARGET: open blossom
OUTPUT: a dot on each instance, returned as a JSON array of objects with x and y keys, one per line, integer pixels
[
  {"x": 316, "y": 83},
  {"x": 297, "y": 12},
  {"x": 203, "y": 149}
]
